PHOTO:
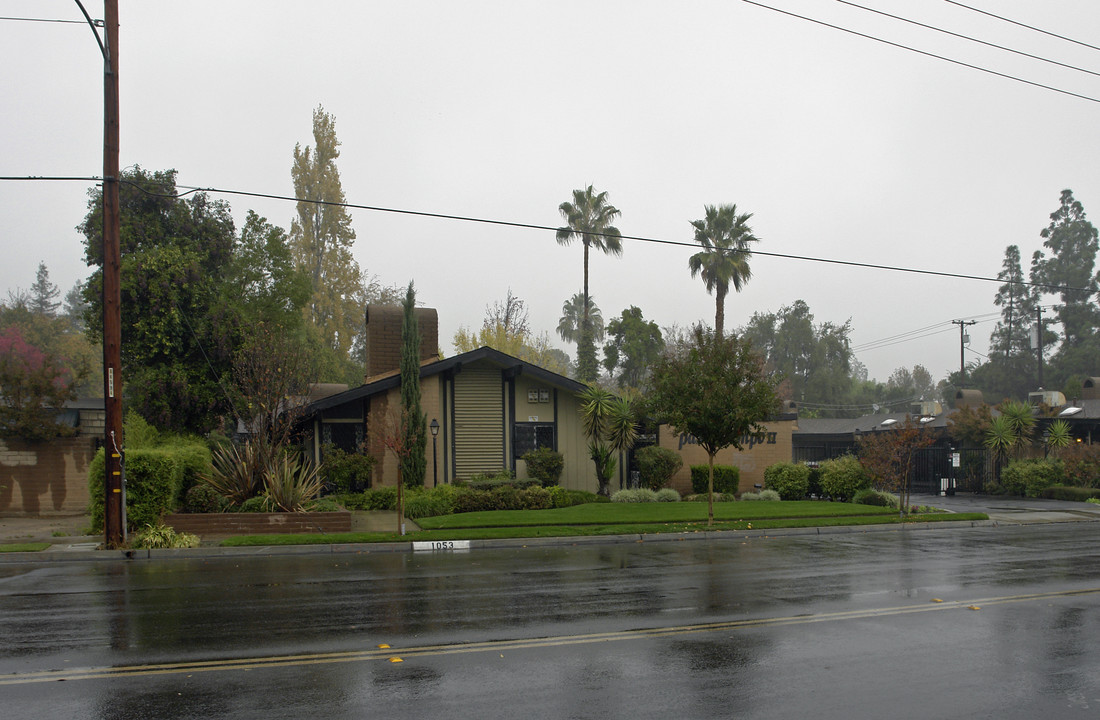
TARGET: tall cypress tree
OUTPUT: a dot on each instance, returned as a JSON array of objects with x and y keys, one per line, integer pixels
[{"x": 414, "y": 463}]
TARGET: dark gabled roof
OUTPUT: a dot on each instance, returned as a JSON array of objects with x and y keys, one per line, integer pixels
[{"x": 451, "y": 364}]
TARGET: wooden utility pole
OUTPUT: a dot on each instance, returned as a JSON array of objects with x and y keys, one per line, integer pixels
[
  {"x": 114, "y": 506},
  {"x": 962, "y": 346},
  {"x": 1039, "y": 343}
]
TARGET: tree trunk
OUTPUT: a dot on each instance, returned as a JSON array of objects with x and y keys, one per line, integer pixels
[
  {"x": 400, "y": 502},
  {"x": 710, "y": 490},
  {"x": 719, "y": 310}
]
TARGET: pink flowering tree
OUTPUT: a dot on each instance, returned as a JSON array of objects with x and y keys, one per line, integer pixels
[{"x": 33, "y": 385}]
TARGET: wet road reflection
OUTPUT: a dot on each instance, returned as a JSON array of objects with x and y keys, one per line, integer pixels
[{"x": 850, "y": 644}]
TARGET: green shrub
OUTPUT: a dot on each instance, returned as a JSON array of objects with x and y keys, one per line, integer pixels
[
  {"x": 790, "y": 480},
  {"x": 560, "y": 497},
  {"x": 344, "y": 472},
  {"x": 668, "y": 495},
  {"x": 204, "y": 499},
  {"x": 1082, "y": 463},
  {"x": 769, "y": 495},
  {"x": 536, "y": 498},
  {"x": 544, "y": 465},
  {"x": 290, "y": 483},
  {"x": 1094, "y": 501},
  {"x": 429, "y": 502},
  {"x": 323, "y": 504},
  {"x": 235, "y": 471},
  {"x": 1069, "y": 492},
  {"x": 162, "y": 536},
  {"x": 1031, "y": 477},
  {"x": 842, "y": 477},
  {"x": 382, "y": 498},
  {"x": 639, "y": 495},
  {"x": 256, "y": 504},
  {"x": 153, "y": 481},
  {"x": 489, "y": 480},
  {"x": 195, "y": 461},
  {"x": 727, "y": 478},
  {"x": 878, "y": 498},
  {"x": 139, "y": 434},
  {"x": 813, "y": 486},
  {"x": 657, "y": 465},
  {"x": 718, "y": 497}
]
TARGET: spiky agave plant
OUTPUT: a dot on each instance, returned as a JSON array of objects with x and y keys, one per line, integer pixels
[{"x": 289, "y": 483}]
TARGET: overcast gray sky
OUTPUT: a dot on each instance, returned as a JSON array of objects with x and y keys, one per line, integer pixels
[{"x": 842, "y": 147}]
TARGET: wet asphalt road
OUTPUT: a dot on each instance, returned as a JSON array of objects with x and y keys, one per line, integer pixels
[{"x": 829, "y": 626}]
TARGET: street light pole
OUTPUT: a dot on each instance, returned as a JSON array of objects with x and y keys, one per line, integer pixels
[{"x": 434, "y": 427}]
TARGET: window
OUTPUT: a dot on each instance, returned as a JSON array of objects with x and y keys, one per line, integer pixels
[
  {"x": 531, "y": 436},
  {"x": 346, "y": 436}
]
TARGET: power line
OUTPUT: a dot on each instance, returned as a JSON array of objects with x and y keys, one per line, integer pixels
[
  {"x": 925, "y": 52},
  {"x": 969, "y": 38},
  {"x": 49, "y": 20},
  {"x": 1024, "y": 25},
  {"x": 533, "y": 226}
]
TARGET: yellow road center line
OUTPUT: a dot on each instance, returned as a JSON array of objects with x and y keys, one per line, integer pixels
[{"x": 385, "y": 654}]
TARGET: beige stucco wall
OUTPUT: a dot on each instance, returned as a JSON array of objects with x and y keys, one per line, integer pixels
[
  {"x": 756, "y": 456},
  {"x": 579, "y": 473}
]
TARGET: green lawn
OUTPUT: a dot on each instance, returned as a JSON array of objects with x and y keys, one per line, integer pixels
[{"x": 620, "y": 519}]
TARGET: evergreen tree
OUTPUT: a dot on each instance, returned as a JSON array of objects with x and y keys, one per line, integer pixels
[
  {"x": 634, "y": 345},
  {"x": 1017, "y": 299},
  {"x": 414, "y": 461},
  {"x": 321, "y": 238},
  {"x": 179, "y": 332},
  {"x": 44, "y": 294},
  {"x": 1069, "y": 270}
]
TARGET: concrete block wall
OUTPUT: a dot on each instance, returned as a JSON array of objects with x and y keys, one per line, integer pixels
[{"x": 46, "y": 478}]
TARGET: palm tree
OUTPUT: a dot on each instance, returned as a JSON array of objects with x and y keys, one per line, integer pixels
[
  {"x": 589, "y": 217},
  {"x": 609, "y": 424},
  {"x": 724, "y": 261},
  {"x": 572, "y": 318}
]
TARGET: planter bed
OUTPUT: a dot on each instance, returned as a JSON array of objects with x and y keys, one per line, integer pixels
[{"x": 259, "y": 523}]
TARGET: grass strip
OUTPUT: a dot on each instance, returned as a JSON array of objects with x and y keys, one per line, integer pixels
[
  {"x": 519, "y": 532},
  {"x": 24, "y": 547}
]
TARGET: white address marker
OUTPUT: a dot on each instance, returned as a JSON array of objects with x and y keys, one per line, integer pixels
[{"x": 441, "y": 545}]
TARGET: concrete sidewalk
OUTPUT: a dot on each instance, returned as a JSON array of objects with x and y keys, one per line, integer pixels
[{"x": 1008, "y": 510}]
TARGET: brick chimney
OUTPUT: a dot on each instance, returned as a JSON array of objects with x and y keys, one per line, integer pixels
[{"x": 383, "y": 345}]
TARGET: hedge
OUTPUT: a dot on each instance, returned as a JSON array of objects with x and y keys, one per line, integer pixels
[
  {"x": 727, "y": 478},
  {"x": 1032, "y": 477},
  {"x": 657, "y": 465},
  {"x": 790, "y": 480},
  {"x": 544, "y": 465},
  {"x": 154, "y": 479},
  {"x": 1067, "y": 492},
  {"x": 843, "y": 477}
]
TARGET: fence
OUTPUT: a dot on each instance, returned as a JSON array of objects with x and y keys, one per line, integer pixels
[{"x": 977, "y": 466}]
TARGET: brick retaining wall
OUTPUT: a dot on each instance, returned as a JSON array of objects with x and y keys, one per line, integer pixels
[{"x": 259, "y": 523}]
